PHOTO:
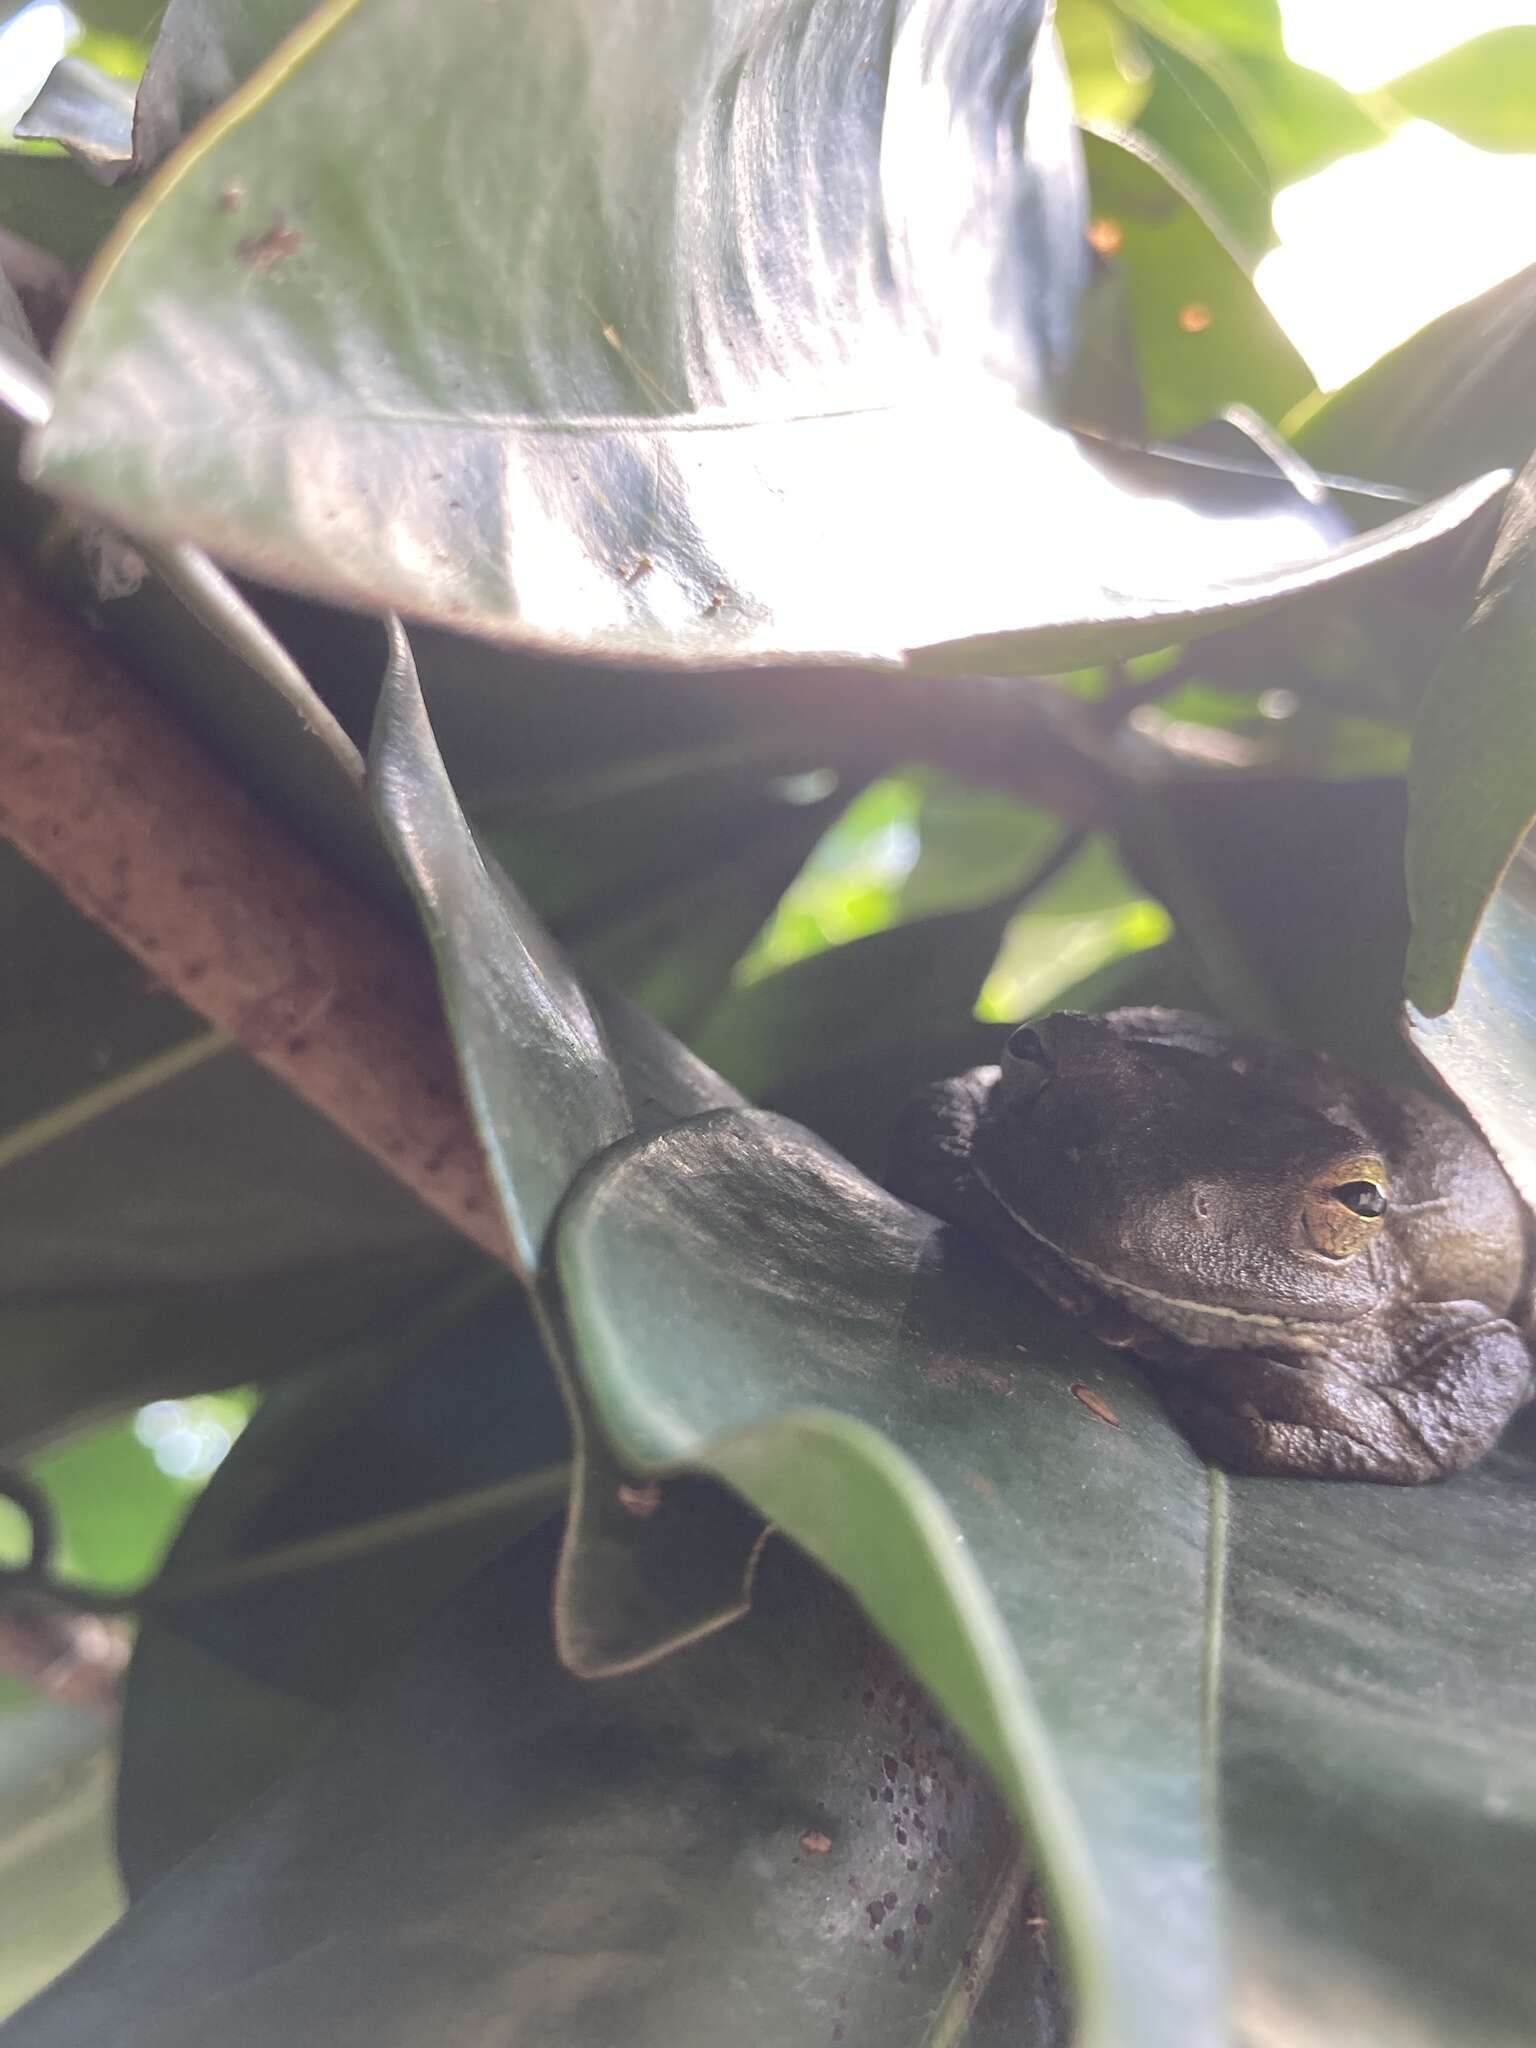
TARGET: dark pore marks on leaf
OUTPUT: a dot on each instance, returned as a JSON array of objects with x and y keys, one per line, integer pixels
[
  {"x": 740, "y": 1300},
  {"x": 487, "y": 1836}
]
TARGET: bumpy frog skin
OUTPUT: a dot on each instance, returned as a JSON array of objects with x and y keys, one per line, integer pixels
[{"x": 1328, "y": 1276}]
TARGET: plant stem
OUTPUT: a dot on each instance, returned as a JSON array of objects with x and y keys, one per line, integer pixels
[{"x": 151, "y": 838}]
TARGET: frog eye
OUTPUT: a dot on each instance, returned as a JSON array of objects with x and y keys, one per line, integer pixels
[
  {"x": 1361, "y": 1198},
  {"x": 1342, "y": 1215},
  {"x": 1025, "y": 1044}
]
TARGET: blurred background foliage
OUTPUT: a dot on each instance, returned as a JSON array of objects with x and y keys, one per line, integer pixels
[{"x": 1284, "y": 193}]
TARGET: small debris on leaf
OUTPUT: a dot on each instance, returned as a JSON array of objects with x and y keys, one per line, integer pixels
[
  {"x": 264, "y": 252},
  {"x": 1095, "y": 1403},
  {"x": 642, "y": 1501}
]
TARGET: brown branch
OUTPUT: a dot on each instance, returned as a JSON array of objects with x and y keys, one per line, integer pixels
[{"x": 151, "y": 838}]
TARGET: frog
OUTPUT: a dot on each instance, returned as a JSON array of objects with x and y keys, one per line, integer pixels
[{"x": 1327, "y": 1275}]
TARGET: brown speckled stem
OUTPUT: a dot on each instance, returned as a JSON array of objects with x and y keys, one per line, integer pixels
[{"x": 151, "y": 838}]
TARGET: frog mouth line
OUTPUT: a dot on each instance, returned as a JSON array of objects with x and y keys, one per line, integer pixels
[{"x": 1112, "y": 1285}]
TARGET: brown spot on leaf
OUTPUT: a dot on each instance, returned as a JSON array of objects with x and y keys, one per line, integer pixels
[
  {"x": 1094, "y": 1403},
  {"x": 264, "y": 253}
]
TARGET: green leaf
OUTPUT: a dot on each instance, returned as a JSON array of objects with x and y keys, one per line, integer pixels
[
  {"x": 1299, "y": 119},
  {"x": 486, "y": 1842},
  {"x": 1484, "y": 90},
  {"x": 1191, "y": 119},
  {"x": 47, "y": 200},
  {"x": 1204, "y": 338},
  {"x": 743, "y": 1302},
  {"x": 1472, "y": 779},
  {"x": 1287, "y": 894},
  {"x": 505, "y": 984},
  {"x": 1378, "y": 1787},
  {"x": 177, "y": 1219},
  {"x": 814, "y": 1025},
  {"x": 547, "y": 1094},
  {"x": 226, "y": 1690},
  {"x": 644, "y": 419},
  {"x": 1451, "y": 402}
]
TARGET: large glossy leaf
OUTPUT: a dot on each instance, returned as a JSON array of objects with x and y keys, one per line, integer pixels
[
  {"x": 1370, "y": 1675},
  {"x": 743, "y": 1301},
  {"x": 1452, "y": 401},
  {"x": 505, "y": 983},
  {"x": 550, "y": 1083},
  {"x": 1472, "y": 782},
  {"x": 694, "y": 1852},
  {"x": 199, "y": 643},
  {"x": 627, "y": 434},
  {"x": 1482, "y": 91},
  {"x": 1378, "y": 1777}
]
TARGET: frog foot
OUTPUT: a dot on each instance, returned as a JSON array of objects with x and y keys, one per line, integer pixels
[{"x": 1464, "y": 1378}]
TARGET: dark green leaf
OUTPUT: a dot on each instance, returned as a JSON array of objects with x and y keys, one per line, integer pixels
[
  {"x": 547, "y": 1095},
  {"x": 227, "y": 1689},
  {"x": 486, "y": 1842},
  {"x": 505, "y": 984},
  {"x": 870, "y": 1008},
  {"x": 1472, "y": 781},
  {"x": 175, "y": 1217},
  {"x": 1378, "y": 1782},
  {"x": 49, "y": 201},
  {"x": 1452, "y": 402},
  {"x": 744, "y": 1302},
  {"x": 1484, "y": 91},
  {"x": 1288, "y": 896}
]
